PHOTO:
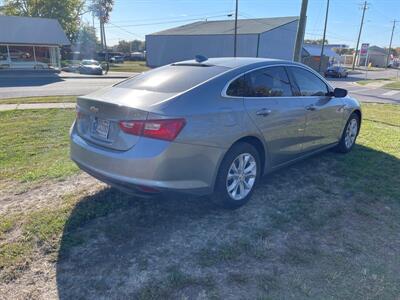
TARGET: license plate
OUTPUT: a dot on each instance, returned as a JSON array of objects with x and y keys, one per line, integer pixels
[{"x": 101, "y": 128}]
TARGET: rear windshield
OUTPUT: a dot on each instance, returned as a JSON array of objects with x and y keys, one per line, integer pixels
[{"x": 172, "y": 79}]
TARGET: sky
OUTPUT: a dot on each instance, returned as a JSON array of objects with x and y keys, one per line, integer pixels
[{"x": 133, "y": 19}]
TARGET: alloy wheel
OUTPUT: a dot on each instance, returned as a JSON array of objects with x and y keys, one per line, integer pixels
[
  {"x": 351, "y": 133},
  {"x": 241, "y": 176}
]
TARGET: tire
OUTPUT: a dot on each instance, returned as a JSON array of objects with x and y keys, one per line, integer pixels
[
  {"x": 344, "y": 145},
  {"x": 222, "y": 197}
]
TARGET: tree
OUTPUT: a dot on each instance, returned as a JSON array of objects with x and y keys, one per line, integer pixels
[
  {"x": 67, "y": 12},
  {"x": 102, "y": 9},
  {"x": 137, "y": 46},
  {"x": 130, "y": 46},
  {"x": 124, "y": 46},
  {"x": 315, "y": 42},
  {"x": 87, "y": 43},
  {"x": 344, "y": 51}
]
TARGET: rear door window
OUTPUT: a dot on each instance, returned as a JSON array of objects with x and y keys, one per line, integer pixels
[
  {"x": 268, "y": 82},
  {"x": 307, "y": 83},
  {"x": 172, "y": 79}
]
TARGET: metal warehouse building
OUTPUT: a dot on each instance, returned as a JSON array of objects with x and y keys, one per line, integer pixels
[
  {"x": 267, "y": 37},
  {"x": 30, "y": 43}
]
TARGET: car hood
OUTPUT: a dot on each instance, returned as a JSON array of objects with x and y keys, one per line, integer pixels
[{"x": 140, "y": 99}]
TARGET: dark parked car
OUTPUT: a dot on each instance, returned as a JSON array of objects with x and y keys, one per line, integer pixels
[
  {"x": 117, "y": 59},
  {"x": 90, "y": 66},
  {"x": 336, "y": 71}
]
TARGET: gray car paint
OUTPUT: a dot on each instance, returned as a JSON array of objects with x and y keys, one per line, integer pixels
[{"x": 214, "y": 122}]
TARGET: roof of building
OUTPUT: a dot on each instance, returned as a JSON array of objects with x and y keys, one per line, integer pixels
[
  {"x": 375, "y": 50},
  {"x": 28, "y": 30},
  {"x": 315, "y": 50},
  {"x": 245, "y": 26}
]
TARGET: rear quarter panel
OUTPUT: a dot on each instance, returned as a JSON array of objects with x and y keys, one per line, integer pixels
[{"x": 212, "y": 120}]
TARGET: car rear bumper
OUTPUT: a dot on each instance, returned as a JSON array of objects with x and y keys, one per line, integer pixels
[{"x": 150, "y": 166}]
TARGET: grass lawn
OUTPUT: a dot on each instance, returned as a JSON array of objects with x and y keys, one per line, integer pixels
[
  {"x": 34, "y": 144},
  {"x": 325, "y": 228},
  {"x": 47, "y": 99},
  {"x": 130, "y": 66},
  {"x": 369, "y": 81}
]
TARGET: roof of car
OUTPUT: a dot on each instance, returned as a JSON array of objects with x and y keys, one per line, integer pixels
[{"x": 236, "y": 62}]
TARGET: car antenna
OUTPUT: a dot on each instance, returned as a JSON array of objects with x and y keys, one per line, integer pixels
[{"x": 200, "y": 58}]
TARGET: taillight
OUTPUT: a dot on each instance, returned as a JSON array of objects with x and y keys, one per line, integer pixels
[
  {"x": 79, "y": 114},
  {"x": 164, "y": 129},
  {"x": 132, "y": 127}
]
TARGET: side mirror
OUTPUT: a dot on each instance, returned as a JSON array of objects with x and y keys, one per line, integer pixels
[{"x": 339, "y": 93}]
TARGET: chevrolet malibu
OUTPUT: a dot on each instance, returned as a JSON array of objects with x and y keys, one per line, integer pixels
[{"x": 210, "y": 126}]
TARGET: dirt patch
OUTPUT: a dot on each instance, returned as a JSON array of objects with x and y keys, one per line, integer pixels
[
  {"x": 302, "y": 235},
  {"x": 23, "y": 197}
]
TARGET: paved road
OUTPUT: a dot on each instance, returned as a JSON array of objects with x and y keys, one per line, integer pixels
[
  {"x": 369, "y": 93},
  {"x": 32, "y": 87},
  {"x": 55, "y": 85}
]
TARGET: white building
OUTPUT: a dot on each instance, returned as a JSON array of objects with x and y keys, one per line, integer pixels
[
  {"x": 268, "y": 37},
  {"x": 30, "y": 43}
]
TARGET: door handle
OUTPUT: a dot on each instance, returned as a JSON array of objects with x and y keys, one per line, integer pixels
[
  {"x": 263, "y": 112},
  {"x": 311, "y": 107}
]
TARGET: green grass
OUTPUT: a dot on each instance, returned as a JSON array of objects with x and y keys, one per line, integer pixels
[
  {"x": 47, "y": 99},
  {"x": 369, "y": 81},
  {"x": 130, "y": 66},
  {"x": 34, "y": 144},
  {"x": 370, "y": 173},
  {"x": 393, "y": 85},
  {"x": 373, "y": 167},
  {"x": 175, "y": 280}
]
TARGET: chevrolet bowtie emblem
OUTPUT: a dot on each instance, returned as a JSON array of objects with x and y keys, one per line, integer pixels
[{"x": 94, "y": 109}]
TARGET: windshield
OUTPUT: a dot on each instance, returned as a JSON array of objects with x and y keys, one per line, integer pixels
[
  {"x": 89, "y": 62},
  {"x": 172, "y": 79}
]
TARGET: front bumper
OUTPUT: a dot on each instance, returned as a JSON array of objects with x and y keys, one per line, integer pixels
[{"x": 160, "y": 165}]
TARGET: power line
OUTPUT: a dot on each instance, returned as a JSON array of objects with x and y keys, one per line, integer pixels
[
  {"x": 127, "y": 31},
  {"x": 204, "y": 15},
  {"x": 168, "y": 22}
]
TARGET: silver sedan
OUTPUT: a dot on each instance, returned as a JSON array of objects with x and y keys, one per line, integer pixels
[{"x": 210, "y": 126}]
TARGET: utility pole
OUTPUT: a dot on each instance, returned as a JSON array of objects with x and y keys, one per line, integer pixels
[
  {"x": 323, "y": 38},
  {"x": 359, "y": 34},
  {"x": 390, "y": 44},
  {"x": 236, "y": 21},
  {"x": 300, "y": 31}
]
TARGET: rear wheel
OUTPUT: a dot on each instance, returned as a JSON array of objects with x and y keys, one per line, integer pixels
[
  {"x": 237, "y": 176},
  {"x": 349, "y": 134}
]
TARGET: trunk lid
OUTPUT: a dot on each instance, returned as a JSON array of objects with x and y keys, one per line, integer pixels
[{"x": 99, "y": 113}]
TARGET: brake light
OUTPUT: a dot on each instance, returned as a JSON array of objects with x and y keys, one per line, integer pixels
[
  {"x": 132, "y": 127},
  {"x": 164, "y": 129}
]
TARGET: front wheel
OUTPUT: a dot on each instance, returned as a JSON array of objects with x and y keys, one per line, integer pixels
[
  {"x": 349, "y": 134},
  {"x": 237, "y": 176}
]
